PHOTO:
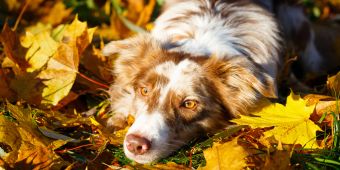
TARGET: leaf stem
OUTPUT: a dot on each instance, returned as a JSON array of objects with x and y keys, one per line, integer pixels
[{"x": 94, "y": 81}]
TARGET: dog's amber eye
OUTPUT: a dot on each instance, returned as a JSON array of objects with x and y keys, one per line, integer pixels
[
  {"x": 144, "y": 91},
  {"x": 190, "y": 104}
]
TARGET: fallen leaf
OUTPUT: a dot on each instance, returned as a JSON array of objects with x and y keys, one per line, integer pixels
[
  {"x": 278, "y": 160},
  {"x": 72, "y": 96},
  {"x": 13, "y": 48},
  {"x": 333, "y": 84},
  {"x": 41, "y": 47},
  {"x": 324, "y": 105},
  {"x": 51, "y": 61},
  {"x": 57, "y": 14},
  {"x": 38, "y": 28},
  {"x": 23, "y": 143},
  {"x": 60, "y": 75},
  {"x": 291, "y": 122},
  {"x": 5, "y": 91},
  {"x": 229, "y": 155},
  {"x": 99, "y": 65},
  {"x": 313, "y": 99},
  {"x": 28, "y": 87},
  {"x": 78, "y": 32}
]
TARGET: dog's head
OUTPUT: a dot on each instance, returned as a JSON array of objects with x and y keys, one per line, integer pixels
[{"x": 176, "y": 97}]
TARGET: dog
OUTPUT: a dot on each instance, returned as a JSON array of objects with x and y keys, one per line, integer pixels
[{"x": 205, "y": 62}]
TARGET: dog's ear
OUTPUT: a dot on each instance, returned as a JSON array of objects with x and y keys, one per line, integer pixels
[
  {"x": 133, "y": 55},
  {"x": 240, "y": 82}
]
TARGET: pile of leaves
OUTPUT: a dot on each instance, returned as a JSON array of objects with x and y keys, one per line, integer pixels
[{"x": 53, "y": 99}]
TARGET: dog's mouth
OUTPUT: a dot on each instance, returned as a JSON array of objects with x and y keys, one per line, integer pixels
[{"x": 146, "y": 151}]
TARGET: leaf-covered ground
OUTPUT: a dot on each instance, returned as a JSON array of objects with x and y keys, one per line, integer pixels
[{"x": 53, "y": 99}]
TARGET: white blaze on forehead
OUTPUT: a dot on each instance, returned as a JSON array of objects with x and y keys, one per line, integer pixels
[{"x": 180, "y": 76}]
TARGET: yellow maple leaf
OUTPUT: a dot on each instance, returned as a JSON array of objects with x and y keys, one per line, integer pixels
[
  {"x": 229, "y": 155},
  {"x": 40, "y": 48},
  {"x": 50, "y": 66},
  {"x": 291, "y": 122}
]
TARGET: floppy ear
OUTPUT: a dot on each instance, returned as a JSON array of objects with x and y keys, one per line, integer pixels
[
  {"x": 241, "y": 83},
  {"x": 133, "y": 55}
]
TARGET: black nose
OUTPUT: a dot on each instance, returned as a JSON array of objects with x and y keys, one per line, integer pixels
[{"x": 137, "y": 144}]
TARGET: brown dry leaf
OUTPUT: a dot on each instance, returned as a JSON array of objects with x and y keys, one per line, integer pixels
[
  {"x": 28, "y": 87},
  {"x": 264, "y": 153},
  {"x": 323, "y": 105},
  {"x": 25, "y": 145},
  {"x": 13, "y": 48},
  {"x": 279, "y": 160},
  {"x": 5, "y": 91},
  {"x": 66, "y": 100},
  {"x": 313, "y": 99},
  {"x": 333, "y": 84},
  {"x": 95, "y": 62}
]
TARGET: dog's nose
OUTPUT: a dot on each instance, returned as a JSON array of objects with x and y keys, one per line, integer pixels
[{"x": 137, "y": 144}]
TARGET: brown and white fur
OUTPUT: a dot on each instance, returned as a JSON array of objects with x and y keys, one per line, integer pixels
[{"x": 222, "y": 55}]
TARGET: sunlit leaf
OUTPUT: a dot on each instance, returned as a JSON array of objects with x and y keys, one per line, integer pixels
[
  {"x": 291, "y": 122},
  {"x": 51, "y": 61},
  {"x": 22, "y": 142},
  {"x": 229, "y": 155},
  {"x": 41, "y": 47}
]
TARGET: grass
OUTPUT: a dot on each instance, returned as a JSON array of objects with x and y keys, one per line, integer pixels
[
  {"x": 327, "y": 158},
  {"x": 118, "y": 153}
]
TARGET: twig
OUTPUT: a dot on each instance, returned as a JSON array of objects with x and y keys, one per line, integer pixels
[
  {"x": 21, "y": 14},
  {"x": 75, "y": 148}
]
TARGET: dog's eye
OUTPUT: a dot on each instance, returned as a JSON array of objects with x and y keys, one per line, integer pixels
[
  {"x": 190, "y": 104},
  {"x": 144, "y": 91}
]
